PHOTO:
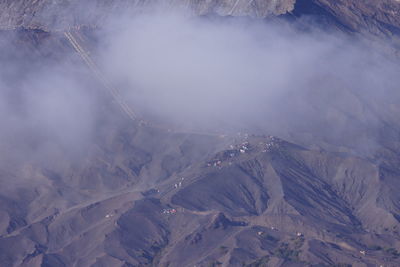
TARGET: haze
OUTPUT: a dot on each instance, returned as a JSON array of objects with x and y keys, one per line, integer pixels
[{"x": 209, "y": 75}]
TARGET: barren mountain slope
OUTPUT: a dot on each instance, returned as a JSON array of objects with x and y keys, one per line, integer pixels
[
  {"x": 71, "y": 13},
  {"x": 373, "y": 16}
]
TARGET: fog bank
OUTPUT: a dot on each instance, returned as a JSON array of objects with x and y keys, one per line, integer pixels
[
  {"x": 208, "y": 75},
  {"x": 255, "y": 76}
]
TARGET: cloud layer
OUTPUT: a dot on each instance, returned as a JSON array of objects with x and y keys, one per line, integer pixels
[
  {"x": 258, "y": 76},
  {"x": 225, "y": 75}
]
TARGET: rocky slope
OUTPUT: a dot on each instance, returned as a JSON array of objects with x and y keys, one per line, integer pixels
[
  {"x": 376, "y": 17},
  {"x": 67, "y": 13},
  {"x": 373, "y": 16},
  {"x": 193, "y": 200}
]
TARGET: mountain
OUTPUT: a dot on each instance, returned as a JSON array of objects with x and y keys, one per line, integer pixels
[
  {"x": 377, "y": 17},
  {"x": 126, "y": 192}
]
